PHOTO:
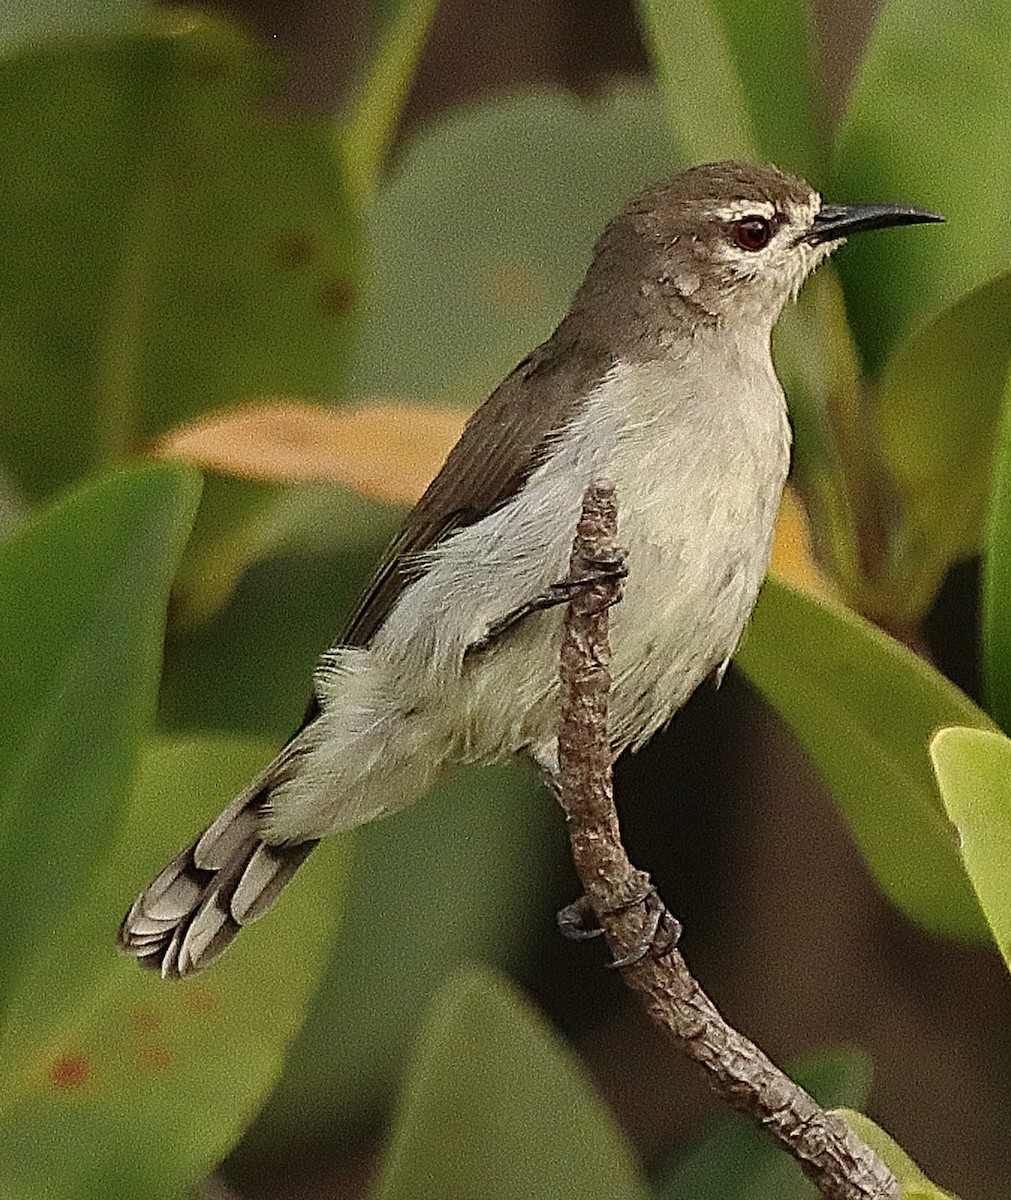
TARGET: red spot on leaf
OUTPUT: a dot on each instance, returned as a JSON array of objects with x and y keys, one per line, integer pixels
[
  {"x": 292, "y": 249},
  {"x": 201, "y": 999},
  {"x": 155, "y": 1056},
  {"x": 70, "y": 1071},
  {"x": 337, "y": 298},
  {"x": 145, "y": 1019}
]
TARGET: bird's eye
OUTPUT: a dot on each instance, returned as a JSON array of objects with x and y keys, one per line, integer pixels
[{"x": 752, "y": 233}]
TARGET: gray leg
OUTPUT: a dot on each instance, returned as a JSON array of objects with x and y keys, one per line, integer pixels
[
  {"x": 604, "y": 569},
  {"x": 660, "y": 931}
]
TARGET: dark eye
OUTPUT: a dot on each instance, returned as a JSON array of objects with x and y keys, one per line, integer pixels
[{"x": 752, "y": 233}]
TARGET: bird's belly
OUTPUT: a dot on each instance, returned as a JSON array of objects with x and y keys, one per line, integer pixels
[
  {"x": 698, "y": 530},
  {"x": 691, "y": 584},
  {"x": 684, "y": 607}
]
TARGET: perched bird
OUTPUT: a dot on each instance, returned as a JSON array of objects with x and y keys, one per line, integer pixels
[{"x": 659, "y": 378}]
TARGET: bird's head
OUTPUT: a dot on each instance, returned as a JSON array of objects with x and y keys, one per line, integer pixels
[{"x": 734, "y": 241}]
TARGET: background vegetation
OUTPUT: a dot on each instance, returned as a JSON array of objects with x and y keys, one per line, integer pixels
[{"x": 198, "y": 271}]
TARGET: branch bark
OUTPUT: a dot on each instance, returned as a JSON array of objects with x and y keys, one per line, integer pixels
[{"x": 840, "y": 1165}]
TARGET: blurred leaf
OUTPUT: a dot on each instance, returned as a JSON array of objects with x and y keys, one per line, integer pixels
[
  {"x": 736, "y": 1161},
  {"x": 739, "y": 79},
  {"x": 463, "y": 874},
  {"x": 834, "y": 442},
  {"x": 926, "y": 125},
  {"x": 83, "y": 592},
  {"x": 387, "y": 451},
  {"x": 378, "y": 106},
  {"x": 248, "y": 669},
  {"x": 996, "y": 583},
  {"x": 792, "y": 555},
  {"x": 169, "y": 247},
  {"x": 495, "y": 1106},
  {"x": 864, "y": 708},
  {"x": 915, "y": 1185},
  {"x": 123, "y": 1085},
  {"x": 973, "y": 768},
  {"x": 694, "y": 62},
  {"x": 940, "y": 407},
  {"x": 25, "y": 20},
  {"x": 485, "y": 229}
]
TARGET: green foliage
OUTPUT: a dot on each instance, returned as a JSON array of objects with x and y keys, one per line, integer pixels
[
  {"x": 468, "y": 274},
  {"x": 83, "y": 590},
  {"x": 494, "y": 1106},
  {"x": 973, "y": 767},
  {"x": 996, "y": 589},
  {"x": 941, "y": 399},
  {"x": 419, "y": 902},
  {"x": 915, "y": 1185},
  {"x": 383, "y": 91},
  {"x": 864, "y": 708},
  {"x": 739, "y": 79},
  {"x": 149, "y": 276},
  {"x": 171, "y": 247},
  {"x": 23, "y": 20},
  {"x": 925, "y": 124},
  {"x": 116, "y": 1084}
]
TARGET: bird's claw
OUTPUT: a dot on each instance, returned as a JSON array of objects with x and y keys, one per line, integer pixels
[
  {"x": 602, "y": 570},
  {"x": 660, "y": 930}
]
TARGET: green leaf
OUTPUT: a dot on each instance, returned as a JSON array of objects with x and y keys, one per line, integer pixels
[
  {"x": 468, "y": 274},
  {"x": 996, "y": 584},
  {"x": 739, "y": 79},
  {"x": 939, "y": 408},
  {"x": 248, "y": 668},
  {"x": 915, "y": 1185},
  {"x": 973, "y": 768},
  {"x": 168, "y": 246},
  {"x": 127, "y": 1085},
  {"x": 694, "y": 63},
  {"x": 926, "y": 125},
  {"x": 736, "y": 1161},
  {"x": 377, "y": 108},
  {"x": 864, "y": 708},
  {"x": 24, "y": 20},
  {"x": 494, "y": 1106},
  {"x": 83, "y": 593},
  {"x": 464, "y": 874},
  {"x": 832, "y": 461}
]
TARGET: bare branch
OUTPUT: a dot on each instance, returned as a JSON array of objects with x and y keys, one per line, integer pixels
[{"x": 838, "y": 1163}]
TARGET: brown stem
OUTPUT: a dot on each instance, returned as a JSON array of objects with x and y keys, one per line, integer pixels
[{"x": 840, "y": 1165}]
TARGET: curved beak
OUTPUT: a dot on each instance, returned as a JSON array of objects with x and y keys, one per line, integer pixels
[{"x": 836, "y": 221}]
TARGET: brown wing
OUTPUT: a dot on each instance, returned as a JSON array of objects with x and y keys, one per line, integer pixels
[{"x": 500, "y": 446}]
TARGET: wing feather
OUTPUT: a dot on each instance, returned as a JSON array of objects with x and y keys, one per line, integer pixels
[{"x": 502, "y": 443}]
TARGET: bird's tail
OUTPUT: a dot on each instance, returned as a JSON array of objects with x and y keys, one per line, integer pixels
[{"x": 227, "y": 878}]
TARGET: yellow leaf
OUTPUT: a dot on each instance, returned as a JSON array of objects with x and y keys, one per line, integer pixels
[
  {"x": 386, "y": 451},
  {"x": 792, "y": 556}
]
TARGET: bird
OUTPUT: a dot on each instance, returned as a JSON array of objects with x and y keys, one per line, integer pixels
[{"x": 660, "y": 379}]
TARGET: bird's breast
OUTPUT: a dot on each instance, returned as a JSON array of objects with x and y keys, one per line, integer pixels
[{"x": 699, "y": 466}]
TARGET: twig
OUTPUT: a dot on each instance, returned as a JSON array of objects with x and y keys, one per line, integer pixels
[{"x": 840, "y": 1165}]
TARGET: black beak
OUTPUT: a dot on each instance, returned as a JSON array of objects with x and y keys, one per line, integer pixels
[{"x": 840, "y": 220}]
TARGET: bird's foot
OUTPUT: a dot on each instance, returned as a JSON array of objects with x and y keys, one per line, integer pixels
[
  {"x": 602, "y": 570},
  {"x": 660, "y": 930}
]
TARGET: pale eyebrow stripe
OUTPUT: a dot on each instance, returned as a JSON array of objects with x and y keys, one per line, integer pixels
[{"x": 746, "y": 208}]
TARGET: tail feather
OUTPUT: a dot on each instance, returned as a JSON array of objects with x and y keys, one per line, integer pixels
[{"x": 227, "y": 878}]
